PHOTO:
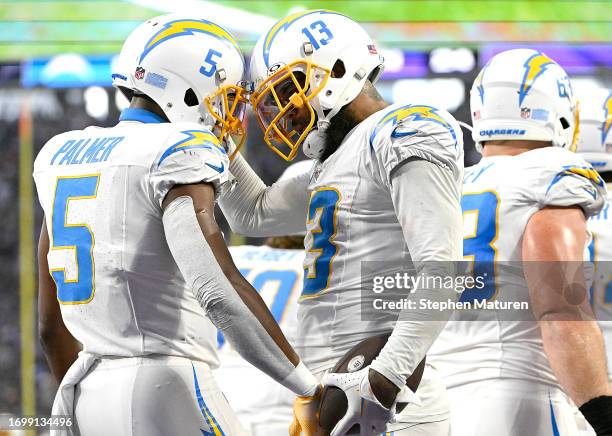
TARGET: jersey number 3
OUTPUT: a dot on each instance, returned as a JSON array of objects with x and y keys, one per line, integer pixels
[
  {"x": 480, "y": 214},
  {"x": 76, "y": 237},
  {"x": 320, "y": 247}
]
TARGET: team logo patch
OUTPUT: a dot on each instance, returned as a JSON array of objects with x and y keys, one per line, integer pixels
[
  {"x": 140, "y": 72},
  {"x": 156, "y": 80},
  {"x": 540, "y": 114},
  {"x": 356, "y": 363}
]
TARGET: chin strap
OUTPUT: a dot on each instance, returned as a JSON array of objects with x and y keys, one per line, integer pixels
[{"x": 314, "y": 144}]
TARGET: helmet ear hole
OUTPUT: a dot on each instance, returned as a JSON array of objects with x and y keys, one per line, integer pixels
[
  {"x": 375, "y": 74},
  {"x": 564, "y": 123},
  {"x": 338, "y": 70},
  {"x": 191, "y": 99}
]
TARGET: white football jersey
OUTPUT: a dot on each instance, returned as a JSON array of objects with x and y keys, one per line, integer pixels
[
  {"x": 500, "y": 194},
  {"x": 600, "y": 226},
  {"x": 351, "y": 219},
  {"x": 277, "y": 275},
  {"x": 101, "y": 189}
]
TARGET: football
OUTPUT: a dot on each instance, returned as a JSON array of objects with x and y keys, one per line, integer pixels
[{"x": 333, "y": 401}]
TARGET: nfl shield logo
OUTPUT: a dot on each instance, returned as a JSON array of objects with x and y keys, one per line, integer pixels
[
  {"x": 139, "y": 74},
  {"x": 525, "y": 112}
]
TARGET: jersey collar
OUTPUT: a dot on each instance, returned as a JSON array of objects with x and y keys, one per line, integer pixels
[{"x": 140, "y": 115}]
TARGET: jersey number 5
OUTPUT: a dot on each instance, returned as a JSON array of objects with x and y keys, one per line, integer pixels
[
  {"x": 480, "y": 214},
  {"x": 320, "y": 248},
  {"x": 76, "y": 237}
]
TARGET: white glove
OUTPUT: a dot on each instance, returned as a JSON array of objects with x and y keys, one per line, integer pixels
[{"x": 363, "y": 407}]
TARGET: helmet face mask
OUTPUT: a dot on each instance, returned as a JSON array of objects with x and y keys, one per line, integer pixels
[
  {"x": 298, "y": 87},
  {"x": 227, "y": 106},
  {"x": 190, "y": 67},
  {"x": 283, "y": 106}
]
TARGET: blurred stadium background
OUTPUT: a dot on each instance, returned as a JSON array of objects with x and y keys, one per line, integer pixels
[{"x": 55, "y": 63}]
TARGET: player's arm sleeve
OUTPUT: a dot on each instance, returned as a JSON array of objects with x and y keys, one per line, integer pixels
[
  {"x": 222, "y": 304},
  {"x": 426, "y": 197},
  {"x": 254, "y": 209},
  {"x": 187, "y": 159}
]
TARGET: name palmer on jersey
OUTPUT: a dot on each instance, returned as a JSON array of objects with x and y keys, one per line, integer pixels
[{"x": 101, "y": 189}]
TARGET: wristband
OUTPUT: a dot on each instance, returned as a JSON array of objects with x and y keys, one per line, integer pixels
[
  {"x": 301, "y": 381},
  {"x": 598, "y": 413}
]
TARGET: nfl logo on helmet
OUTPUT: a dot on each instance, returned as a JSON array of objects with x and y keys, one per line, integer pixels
[{"x": 139, "y": 74}]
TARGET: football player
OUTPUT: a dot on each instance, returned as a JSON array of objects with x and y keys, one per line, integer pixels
[
  {"x": 525, "y": 204},
  {"x": 275, "y": 271},
  {"x": 386, "y": 188},
  {"x": 131, "y": 259},
  {"x": 595, "y": 145}
]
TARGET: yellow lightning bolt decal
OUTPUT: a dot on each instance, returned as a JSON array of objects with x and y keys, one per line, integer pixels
[
  {"x": 415, "y": 112},
  {"x": 534, "y": 67},
  {"x": 587, "y": 172},
  {"x": 607, "y": 118},
  {"x": 186, "y": 27},
  {"x": 195, "y": 139}
]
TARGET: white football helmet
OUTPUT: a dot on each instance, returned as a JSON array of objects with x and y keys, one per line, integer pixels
[
  {"x": 595, "y": 139},
  {"x": 522, "y": 94},
  {"x": 291, "y": 68},
  {"x": 191, "y": 67}
]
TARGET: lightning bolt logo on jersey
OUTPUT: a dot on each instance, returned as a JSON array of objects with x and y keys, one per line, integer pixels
[
  {"x": 586, "y": 172},
  {"x": 178, "y": 28},
  {"x": 194, "y": 139},
  {"x": 534, "y": 67},
  {"x": 415, "y": 112}
]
